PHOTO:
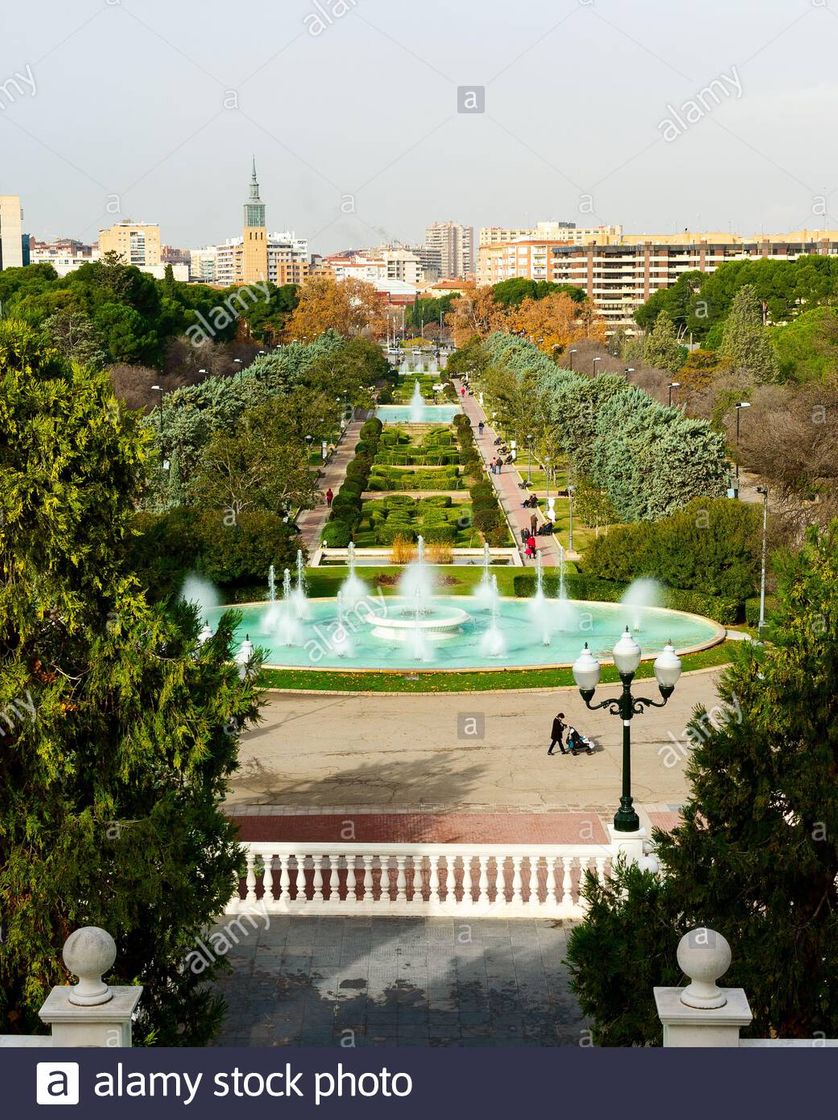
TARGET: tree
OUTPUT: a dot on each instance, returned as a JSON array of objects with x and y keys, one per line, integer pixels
[
  {"x": 263, "y": 465},
  {"x": 349, "y": 307},
  {"x": 662, "y": 347},
  {"x": 807, "y": 348},
  {"x": 75, "y": 338},
  {"x": 756, "y": 854},
  {"x": 475, "y": 312},
  {"x": 120, "y": 731},
  {"x": 745, "y": 341},
  {"x": 553, "y": 322}
]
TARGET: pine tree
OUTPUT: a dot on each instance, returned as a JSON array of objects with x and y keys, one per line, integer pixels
[
  {"x": 119, "y": 731},
  {"x": 662, "y": 349},
  {"x": 756, "y": 856},
  {"x": 745, "y": 341}
]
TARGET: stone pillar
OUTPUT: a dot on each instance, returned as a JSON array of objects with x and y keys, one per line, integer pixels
[
  {"x": 90, "y": 1013},
  {"x": 702, "y": 1014},
  {"x": 631, "y": 844}
]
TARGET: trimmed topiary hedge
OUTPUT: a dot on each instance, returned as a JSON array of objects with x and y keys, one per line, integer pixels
[{"x": 721, "y": 609}]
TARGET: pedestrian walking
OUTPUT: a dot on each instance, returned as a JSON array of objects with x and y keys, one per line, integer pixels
[
  {"x": 329, "y": 497},
  {"x": 480, "y": 428},
  {"x": 533, "y": 523},
  {"x": 557, "y": 733}
]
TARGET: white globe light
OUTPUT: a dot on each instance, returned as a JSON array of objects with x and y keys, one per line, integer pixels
[
  {"x": 627, "y": 654},
  {"x": 586, "y": 670},
  {"x": 667, "y": 667}
]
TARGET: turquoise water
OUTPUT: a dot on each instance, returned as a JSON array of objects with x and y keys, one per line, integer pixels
[
  {"x": 532, "y": 633},
  {"x": 425, "y": 414}
]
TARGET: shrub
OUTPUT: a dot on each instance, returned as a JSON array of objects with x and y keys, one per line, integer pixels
[
  {"x": 337, "y": 534},
  {"x": 241, "y": 553}
]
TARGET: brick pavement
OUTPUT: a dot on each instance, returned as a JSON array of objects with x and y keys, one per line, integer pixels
[
  {"x": 370, "y": 981},
  {"x": 311, "y": 521}
]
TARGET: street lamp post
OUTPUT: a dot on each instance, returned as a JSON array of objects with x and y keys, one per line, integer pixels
[
  {"x": 764, "y": 491},
  {"x": 529, "y": 461},
  {"x": 627, "y": 654},
  {"x": 673, "y": 385},
  {"x": 571, "y": 490},
  {"x": 739, "y": 406},
  {"x": 161, "y": 391},
  {"x": 547, "y": 476}
]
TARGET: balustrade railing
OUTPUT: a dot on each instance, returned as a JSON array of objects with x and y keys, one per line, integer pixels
[{"x": 488, "y": 880}]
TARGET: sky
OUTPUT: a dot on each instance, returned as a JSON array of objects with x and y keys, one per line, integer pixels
[{"x": 592, "y": 112}]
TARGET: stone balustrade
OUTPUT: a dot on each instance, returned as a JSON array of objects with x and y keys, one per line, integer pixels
[{"x": 485, "y": 880}]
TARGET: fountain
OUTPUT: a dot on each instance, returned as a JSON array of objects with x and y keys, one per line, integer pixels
[
  {"x": 417, "y": 618},
  {"x": 201, "y": 593},
  {"x": 288, "y": 627},
  {"x": 640, "y": 596},
  {"x": 353, "y": 589},
  {"x": 493, "y": 643},
  {"x": 299, "y": 595},
  {"x": 538, "y": 603},
  {"x": 417, "y": 405},
  {"x": 483, "y": 592},
  {"x": 340, "y": 641},
  {"x": 566, "y": 611}
]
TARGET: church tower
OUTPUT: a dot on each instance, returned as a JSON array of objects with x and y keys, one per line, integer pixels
[{"x": 254, "y": 259}]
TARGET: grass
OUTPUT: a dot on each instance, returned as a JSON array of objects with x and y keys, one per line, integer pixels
[
  {"x": 302, "y": 680},
  {"x": 453, "y": 579}
]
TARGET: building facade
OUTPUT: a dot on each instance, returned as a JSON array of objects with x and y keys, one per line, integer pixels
[
  {"x": 253, "y": 262},
  {"x": 620, "y": 273},
  {"x": 11, "y": 232},
  {"x": 455, "y": 245},
  {"x": 136, "y": 243}
]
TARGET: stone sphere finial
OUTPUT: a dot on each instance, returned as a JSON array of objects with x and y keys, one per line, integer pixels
[
  {"x": 704, "y": 956},
  {"x": 89, "y": 953}
]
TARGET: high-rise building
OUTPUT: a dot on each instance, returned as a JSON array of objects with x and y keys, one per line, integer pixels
[
  {"x": 11, "y": 232},
  {"x": 254, "y": 258},
  {"x": 455, "y": 244},
  {"x": 551, "y": 231},
  {"x": 136, "y": 243}
]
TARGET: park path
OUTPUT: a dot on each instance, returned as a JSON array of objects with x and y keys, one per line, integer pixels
[
  {"x": 311, "y": 521},
  {"x": 507, "y": 484}
]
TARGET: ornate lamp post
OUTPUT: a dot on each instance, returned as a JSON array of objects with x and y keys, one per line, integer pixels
[{"x": 627, "y": 654}]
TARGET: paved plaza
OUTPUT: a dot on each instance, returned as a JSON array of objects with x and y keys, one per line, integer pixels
[
  {"x": 400, "y": 982},
  {"x": 317, "y": 752}
]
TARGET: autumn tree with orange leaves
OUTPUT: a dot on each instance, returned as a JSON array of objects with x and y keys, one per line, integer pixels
[
  {"x": 554, "y": 322},
  {"x": 349, "y": 307}
]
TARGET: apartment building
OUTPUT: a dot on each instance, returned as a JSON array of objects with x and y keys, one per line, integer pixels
[
  {"x": 551, "y": 231},
  {"x": 286, "y": 261},
  {"x": 136, "y": 243},
  {"x": 621, "y": 273},
  {"x": 12, "y": 241},
  {"x": 65, "y": 254},
  {"x": 455, "y": 245}
]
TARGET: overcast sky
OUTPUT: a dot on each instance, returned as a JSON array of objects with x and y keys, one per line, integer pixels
[{"x": 134, "y": 114}]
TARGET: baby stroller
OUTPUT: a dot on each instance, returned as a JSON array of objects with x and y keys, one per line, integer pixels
[{"x": 577, "y": 743}]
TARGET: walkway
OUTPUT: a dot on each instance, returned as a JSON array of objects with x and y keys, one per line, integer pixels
[
  {"x": 393, "y": 752},
  {"x": 507, "y": 484},
  {"x": 311, "y": 521},
  {"x": 361, "y": 981}
]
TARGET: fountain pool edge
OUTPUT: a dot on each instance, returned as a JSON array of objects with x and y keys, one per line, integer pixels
[{"x": 718, "y": 637}]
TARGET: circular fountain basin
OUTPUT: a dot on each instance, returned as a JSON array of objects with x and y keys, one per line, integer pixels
[
  {"x": 535, "y": 633},
  {"x": 421, "y": 414},
  {"x": 437, "y": 624}
]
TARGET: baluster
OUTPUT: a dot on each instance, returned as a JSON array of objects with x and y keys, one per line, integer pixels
[
  {"x": 235, "y": 897},
  {"x": 599, "y": 862},
  {"x": 268, "y": 880},
  {"x": 535, "y": 886},
  {"x": 366, "y": 880},
  {"x": 433, "y": 879},
  {"x": 483, "y": 880},
  {"x": 250, "y": 880},
  {"x": 317, "y": 864},
  {"x": 384, "y": 880},
  {"x": 567, "y": 882},
  {"x": 516, "y": 880},
  {"x": 285, "y": 879},
  {"x": 401, "y": 879},
  {"x": 334, "y": 888}
]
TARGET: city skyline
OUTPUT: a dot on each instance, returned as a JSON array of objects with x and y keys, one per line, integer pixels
[{"x": 587, "y": 117}]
